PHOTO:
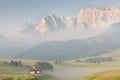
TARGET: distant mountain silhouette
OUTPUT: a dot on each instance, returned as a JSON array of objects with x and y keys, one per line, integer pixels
[{"x": 73, "y": 49}]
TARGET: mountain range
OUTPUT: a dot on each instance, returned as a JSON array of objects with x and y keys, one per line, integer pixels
[
  {"x": 85, "y": 18},
  {"x": 91, "y": 31},
  {"x": 73, "y": 49}
]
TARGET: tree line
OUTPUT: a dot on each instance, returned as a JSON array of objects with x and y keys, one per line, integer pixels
[
  {"x": 96, "y": 60},
  {"x": 13, "y": 63}
]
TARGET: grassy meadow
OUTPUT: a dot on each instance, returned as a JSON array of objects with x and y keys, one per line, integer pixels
[
  {"x": 107, "y": 75},
  {"x": 13, "y": 73},
  {"x": 9, "y": 72},
  {"x": 67, "y": 70}
]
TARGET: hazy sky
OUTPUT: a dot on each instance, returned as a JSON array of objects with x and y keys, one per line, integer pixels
[{"x": 13, "y": 13}]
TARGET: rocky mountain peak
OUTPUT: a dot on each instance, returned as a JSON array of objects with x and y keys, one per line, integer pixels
[{"x": 86, "y": 18}]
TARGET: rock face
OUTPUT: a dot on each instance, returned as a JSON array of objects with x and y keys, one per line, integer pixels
[{"x": 86, "y": 18}]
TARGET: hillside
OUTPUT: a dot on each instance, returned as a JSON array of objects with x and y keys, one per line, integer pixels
[
  {"x": 107, "y": 75},
  {"x": 89, "y": 32},
  {"x": 11, "y": 72},
  {"x": 73, "y": 49},
  {"x": 114, "y": 54},
  {"x": 9, "y": 47}
]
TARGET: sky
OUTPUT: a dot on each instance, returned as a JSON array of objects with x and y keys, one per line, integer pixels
[{"x": 14, "y": 13}]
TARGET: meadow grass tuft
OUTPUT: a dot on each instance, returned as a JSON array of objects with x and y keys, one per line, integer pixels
[{"x": 107, "y": 75}]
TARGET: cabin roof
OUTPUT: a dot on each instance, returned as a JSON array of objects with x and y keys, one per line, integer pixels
[{"x": 34, "y": 70}]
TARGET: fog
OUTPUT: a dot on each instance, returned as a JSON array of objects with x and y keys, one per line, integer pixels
[
  {"x": 75, "y": 73},
  {"x": 60, "y": 35},
  {"x": 12, "y": 45},
  {"x": 73, "y": 33}
]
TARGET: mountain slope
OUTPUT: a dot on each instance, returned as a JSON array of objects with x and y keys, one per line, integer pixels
[
  {"x": 1, "y": 36},
  {"x": 106, "y": 75},
  {"x": 10, "y": 47},
  {"x": 86, "y": 18},
  {"x": 72, "y": 49}
]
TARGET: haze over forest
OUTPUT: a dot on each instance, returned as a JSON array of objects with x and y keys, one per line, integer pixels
[{"x": 44, "y": 32}]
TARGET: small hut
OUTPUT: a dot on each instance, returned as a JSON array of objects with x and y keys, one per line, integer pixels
[
  {"x": 58, "y": 61},
  {"x": 34, "y": 70}
]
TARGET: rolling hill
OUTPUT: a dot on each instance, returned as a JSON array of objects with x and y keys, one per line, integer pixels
[
  {"x": 72, "y": 49},
  {"x": 107, "y": 75}
]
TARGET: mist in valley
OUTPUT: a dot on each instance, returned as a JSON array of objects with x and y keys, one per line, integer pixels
[
  {"x": 76, "y": 38},
  {"x": 74, "y": 73}
]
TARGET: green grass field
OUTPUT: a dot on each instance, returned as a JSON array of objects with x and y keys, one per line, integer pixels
[
  {"x": 18, "y": 73},
  {"x": 21, "y": 73},
  {"x": 114, "y": 54},
  {"x": 9, "y": 72},
  {"x": 107, "y": 75}
]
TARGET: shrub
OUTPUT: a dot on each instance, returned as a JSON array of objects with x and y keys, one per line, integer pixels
[
  {"x": 8, "y": 79},
  {"x": 16, "y": 63},
  {"x": 35, "y": 78},
  {"x": 44, "y": 66}
]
